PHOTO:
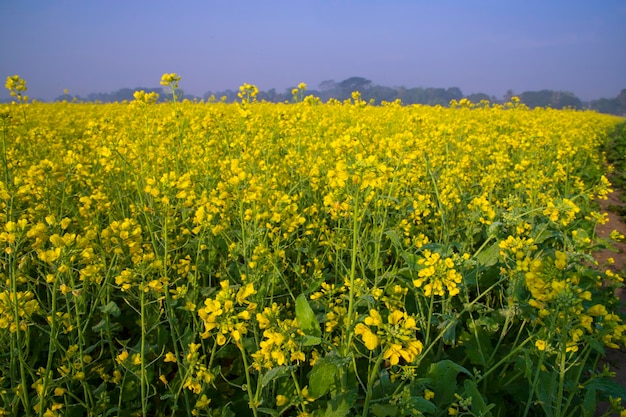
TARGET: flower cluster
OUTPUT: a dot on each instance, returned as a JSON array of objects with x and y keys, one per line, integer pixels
[
  {"x": 437, "y": 275},
  {"x": 281, "y": 343},
  {"x": 24, "y": 303},
  {"x": 17, "y": 88},
  {"x": 396, "y": 336},
  {"x": 228, "y": 313}
]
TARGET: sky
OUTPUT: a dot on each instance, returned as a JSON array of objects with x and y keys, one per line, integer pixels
[{"x": 487, "y": 46}]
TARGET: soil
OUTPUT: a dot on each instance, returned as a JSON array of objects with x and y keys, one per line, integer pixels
[{"x": 616, "y": 358}]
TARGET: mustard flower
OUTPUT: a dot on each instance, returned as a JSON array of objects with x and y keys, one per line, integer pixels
[
  {"x": 437, "y": 275},
  {"x": 170, "y": 79},
  {"x": 395, "y": 336},
  {"x": 228, "y": 313}
]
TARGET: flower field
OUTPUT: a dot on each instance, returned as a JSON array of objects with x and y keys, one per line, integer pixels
[{"x": 303, "y": 259}]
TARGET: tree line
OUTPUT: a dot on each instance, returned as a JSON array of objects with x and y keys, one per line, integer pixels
[{"x": 376, "y": 94}]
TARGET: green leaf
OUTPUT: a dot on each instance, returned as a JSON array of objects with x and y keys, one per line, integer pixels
[
  {"x": 340, "y": 405},
  {"x": 101, "y": 325},
  {"x": 546, "y": 390},
  {"x": 589, "y": 403},
  {"x": 608, "y": 387},
  {"x": 422, "y": 405},
  {"x": 386, "y": 410},
  {"x": 411, "y": 260},
  {"x": 443, "y": 374},
  {"x": 311, "y": 340},
  {"x": 273, "y": 374},
  {"x": 489, "y": 256},
  {"x": 306, "y": 318},
  {"x": 478, "y": 346},
  {"x": 269, "y": 411},
  {"x": 322, "y": 377},
  {"x": 479, "y": 406},
  {"x": 111, "y": 308},
  {"x": 395, "y": 238},
  {"x": 449, "y": 335}
]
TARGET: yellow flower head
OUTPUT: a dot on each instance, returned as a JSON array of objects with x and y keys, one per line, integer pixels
[
  {"x": 540, "y": 344},
  {"x": 369, "y": 338},
  {"x": 170, "y": 79}
]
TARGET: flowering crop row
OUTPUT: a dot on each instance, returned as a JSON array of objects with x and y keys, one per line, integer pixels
[{"x": 321, "y": 259}]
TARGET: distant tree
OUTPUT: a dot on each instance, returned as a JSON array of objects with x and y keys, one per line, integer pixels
[
  {"x": 271, "y": 95},
  {"x": 605, "y": 105},
  {"x": 454, "y": 93},
  {"x": 478, "y": 97},
  {"x": 550, "y": 98},
  {"x": 228, "y": 95},
  {"x": 429, "y": 96},
  {"x": 349, "y": 85},
  {"x": 615, "y": 105},
  {"x": 534, "y": 99},
  {"x": 561, "y": 99},
  {"x": 380, "y": 93},
  {"x": 621, "y": 98},
  {"x": 327, "y": 85},
  {"x": 126, "y": 94}
]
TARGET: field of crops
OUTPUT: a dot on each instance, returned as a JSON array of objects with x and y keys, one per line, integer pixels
[{"x": 302, "y": 259}]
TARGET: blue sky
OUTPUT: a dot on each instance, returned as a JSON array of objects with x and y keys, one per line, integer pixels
[{"x": 485, "y": 46}]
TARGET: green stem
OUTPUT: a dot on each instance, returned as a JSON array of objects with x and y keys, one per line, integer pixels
[
  {"x": 580, "y": 371},
  {"x": 532, "y": 389},
  {"x": 442, "y": 212},
  {"x": 295, "y": 381},
  {"x": 429, "y": 346},
  {"x": 78, "y": 306},
  {"x": 562, "y": 371},
  {"x": 53, "y": 336},
  {"x": 353, "y": 260},
  {"x": 5, "y": 161},
  {"x": 142, "y": 370},
  {"x": 252, "y": 399},
  {"x": 370, "y": 382},
  {"x": 504, "y": 359},
  {"x": 17, "y": 343}
]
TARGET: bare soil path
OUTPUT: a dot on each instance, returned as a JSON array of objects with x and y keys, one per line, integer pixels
[{"x": 616, "y": 358}]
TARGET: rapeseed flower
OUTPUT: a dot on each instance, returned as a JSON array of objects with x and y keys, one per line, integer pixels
[
  {"x": 228, "y": 313},
  {"x": 395, "y": 335},
  {"x": 437, "y": 275}
]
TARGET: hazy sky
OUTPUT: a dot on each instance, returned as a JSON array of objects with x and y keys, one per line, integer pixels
[{"x": 485, "y": 46}]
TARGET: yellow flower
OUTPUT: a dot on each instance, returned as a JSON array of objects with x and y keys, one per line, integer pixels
[
  {"x": 393, "y": 353},
  {"x": 281, "y": 400},
  {"x": 203, "y": 402},
  {"x": 369, "y": 338},
  {"x": 541, "y": 344},
  {"x": 374, "y": 318},
  {"x": 169, "y": 357},
  {"x": 170, "y": 79},
  {"x": 561, "y": 260},
  {"x": 122, "y": 357},
  {"x": 597, "y": 310},
  {"x": 428, "y": 394}
]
